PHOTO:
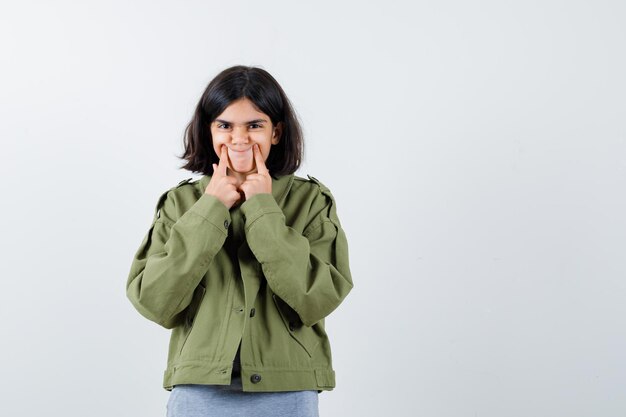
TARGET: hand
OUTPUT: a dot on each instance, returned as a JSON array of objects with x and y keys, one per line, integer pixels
[
  {"x": 259, "y": 182},
  {"x": 223, "y": 186}
]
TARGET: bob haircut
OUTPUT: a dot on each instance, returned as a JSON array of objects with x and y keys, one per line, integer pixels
[{"x": 268, "y": 97}]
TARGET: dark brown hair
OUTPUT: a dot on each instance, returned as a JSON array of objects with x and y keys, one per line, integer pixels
[{"x": 263, "y": 90}]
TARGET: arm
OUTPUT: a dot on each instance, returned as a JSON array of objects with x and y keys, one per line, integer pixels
[
  {"x": 174, "y": 256},
  {"x": 309, "y": 270}
]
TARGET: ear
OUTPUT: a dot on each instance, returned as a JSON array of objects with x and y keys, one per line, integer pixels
[{"x": 278, "y": 132}]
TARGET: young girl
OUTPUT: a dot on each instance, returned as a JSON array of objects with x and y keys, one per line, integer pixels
[{"x": 245, "y": 263}]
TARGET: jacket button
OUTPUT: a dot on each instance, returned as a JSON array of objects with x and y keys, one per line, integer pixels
[
  {"x": 255, "y": 378},
  {"x": 252, "y": 312},
  {"x": 226, "y": 224},
  {"x": 292, "y": 326}
]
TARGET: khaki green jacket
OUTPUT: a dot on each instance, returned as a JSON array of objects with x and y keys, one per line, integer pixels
[{"x": 266, "y": 273}]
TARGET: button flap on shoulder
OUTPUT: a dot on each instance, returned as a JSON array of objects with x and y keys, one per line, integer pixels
[
  {"x": 333, "y": 207},
  {"x": 318, "y": 182},
  {"x": 163, "y": 197},
  {"x": 157, "y": 209}
]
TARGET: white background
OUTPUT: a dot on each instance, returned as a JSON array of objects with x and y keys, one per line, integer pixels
[{"x": 477, "y": 152}]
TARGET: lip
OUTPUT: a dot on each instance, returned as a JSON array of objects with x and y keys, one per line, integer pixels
[{"x": 240, "y": 150}]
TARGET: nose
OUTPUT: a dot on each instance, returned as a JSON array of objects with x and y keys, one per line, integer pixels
[{"x": 240, "y": 135}]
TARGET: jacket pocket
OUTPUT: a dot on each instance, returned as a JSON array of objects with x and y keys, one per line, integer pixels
[
  {"x": 192, "y": 312},
  {"x": 305, "y": 336}
]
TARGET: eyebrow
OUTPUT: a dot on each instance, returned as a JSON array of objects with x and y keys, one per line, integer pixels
[{"x": 250, "y": 122}]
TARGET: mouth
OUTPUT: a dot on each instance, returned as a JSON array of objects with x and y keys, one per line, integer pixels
[
  {"x": 240, "y": 150},
  {"x": 241, "y": 157}
]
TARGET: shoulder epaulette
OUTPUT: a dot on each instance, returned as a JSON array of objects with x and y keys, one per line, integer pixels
[
  {"x": 163, "y": 197},
  {"x": 318, "y": 182},
  {"x": 157, "y": 209},
  {"x": 326, "y": 191}
]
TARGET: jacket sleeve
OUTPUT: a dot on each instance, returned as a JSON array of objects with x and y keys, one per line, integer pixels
[
  {"x": 174, "y": 256},
  {"x": 309, "y": 270}
]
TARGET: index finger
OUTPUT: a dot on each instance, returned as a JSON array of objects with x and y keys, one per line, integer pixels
[
  {"x": 221, "y": 167},
  {"x": 260, "y": 163}
]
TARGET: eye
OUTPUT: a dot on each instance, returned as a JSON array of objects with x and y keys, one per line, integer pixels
[
  {"x": 256, "y": 125},
  {"x": 222, "y": 125}
]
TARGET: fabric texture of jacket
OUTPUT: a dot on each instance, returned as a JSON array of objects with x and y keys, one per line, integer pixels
[{"x": 265, "y": 273}]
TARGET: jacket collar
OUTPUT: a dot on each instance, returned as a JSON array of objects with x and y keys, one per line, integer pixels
[{"x": 280, "y": 186}]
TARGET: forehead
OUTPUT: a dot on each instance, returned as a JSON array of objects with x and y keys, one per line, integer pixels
[{"x": 241, "y": 111}]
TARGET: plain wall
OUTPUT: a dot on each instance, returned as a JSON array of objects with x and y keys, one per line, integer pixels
[{"x": 476, "y": 150}]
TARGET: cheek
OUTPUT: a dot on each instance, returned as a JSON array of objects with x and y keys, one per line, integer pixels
[
  {"x": 267, "y": 153},
  {"x": 217, "y": 143}
]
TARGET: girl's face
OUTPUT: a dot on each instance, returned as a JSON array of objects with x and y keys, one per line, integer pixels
[{"x": 239, "y": 127}]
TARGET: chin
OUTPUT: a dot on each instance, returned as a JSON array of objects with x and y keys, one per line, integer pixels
[{"x": 253, "y": 168}]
